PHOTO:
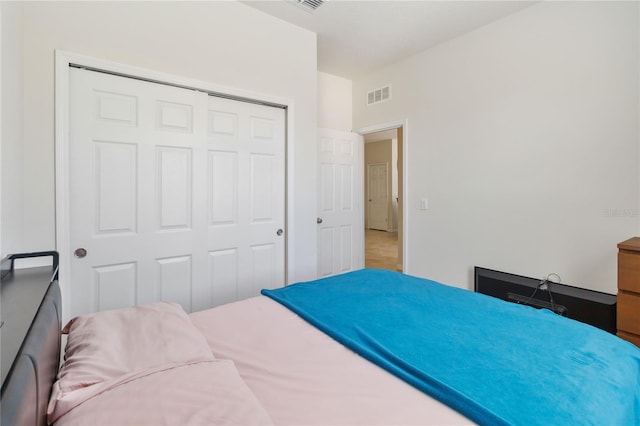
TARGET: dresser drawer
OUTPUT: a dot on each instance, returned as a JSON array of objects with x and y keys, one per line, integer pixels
[
  {"x": 629, "y": 312},
  {"x": 629, "y": 272},
  {"x": 633, "y": 338}
]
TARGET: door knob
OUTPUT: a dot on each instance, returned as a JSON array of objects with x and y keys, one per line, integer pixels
[
  {"x": 80, "y": 253},
  {"x": 279, "y": 232},
  {"x": 319, "y": 220}
]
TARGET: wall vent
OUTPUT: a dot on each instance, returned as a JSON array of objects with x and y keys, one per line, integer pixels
[
  {"x": 379, "y": 95},
  {"x": 309, "y": 5}
]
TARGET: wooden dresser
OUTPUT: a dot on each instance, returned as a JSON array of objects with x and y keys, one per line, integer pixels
[{"x": 629, "y": 290}]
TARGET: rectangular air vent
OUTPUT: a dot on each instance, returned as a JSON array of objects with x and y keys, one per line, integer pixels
[
  {"x": 309, "y": 5},
  {"x": 379, "y": 95}
]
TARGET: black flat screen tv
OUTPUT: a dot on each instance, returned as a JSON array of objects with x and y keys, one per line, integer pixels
[{"x": 592, "y": 307}]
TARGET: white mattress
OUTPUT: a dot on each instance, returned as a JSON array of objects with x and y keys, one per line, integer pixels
[{"x": 302, "y": 376}]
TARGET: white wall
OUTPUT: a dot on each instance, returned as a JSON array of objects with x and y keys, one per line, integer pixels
[
  {"x": 225, "y": 43},
  {"x": 11, "y": 129},
  {"x": 334, "y": 102},
  {"x": 524, "y": 136}
]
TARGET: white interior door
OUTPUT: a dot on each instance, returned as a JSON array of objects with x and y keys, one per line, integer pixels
[
  {"x": 378, "y": 181},
  {"x": 340, "y": 217},
  {"x": 173, "y": 195}
]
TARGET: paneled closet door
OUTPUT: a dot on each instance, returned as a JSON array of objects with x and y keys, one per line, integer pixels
[
  {"x": 246, "y": 198},
  {"x": 148, "y": 189}
]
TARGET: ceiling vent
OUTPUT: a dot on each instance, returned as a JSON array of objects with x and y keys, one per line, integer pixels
[
  {"x": 379, "y": 95},
  {"x": 309, "y": 5}
]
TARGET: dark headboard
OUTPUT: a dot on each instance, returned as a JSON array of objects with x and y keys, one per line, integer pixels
[{"x": 26, "y": 389}]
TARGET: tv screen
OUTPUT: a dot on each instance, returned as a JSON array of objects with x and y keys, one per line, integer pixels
[{"x": 592, "y": 307}]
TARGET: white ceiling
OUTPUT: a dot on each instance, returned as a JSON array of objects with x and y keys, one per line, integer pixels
[{"x": 356, "y": 37}]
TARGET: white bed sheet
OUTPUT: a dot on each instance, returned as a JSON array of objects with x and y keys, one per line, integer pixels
[{"x": 301, "y": 376}]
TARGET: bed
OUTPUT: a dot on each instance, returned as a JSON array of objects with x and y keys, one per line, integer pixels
[{"x": 367, "y": 347}]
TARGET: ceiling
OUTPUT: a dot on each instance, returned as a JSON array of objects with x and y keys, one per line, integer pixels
[{"x": 356, "y": 37}]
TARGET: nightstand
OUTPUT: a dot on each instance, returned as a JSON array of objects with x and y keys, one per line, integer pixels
[{"x": 628, "y": 321}]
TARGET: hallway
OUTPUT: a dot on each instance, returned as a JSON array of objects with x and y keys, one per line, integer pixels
[{"x": 381, "y": 249}]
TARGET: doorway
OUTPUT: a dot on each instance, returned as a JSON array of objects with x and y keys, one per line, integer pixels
[{"x": 383, "y": 198}]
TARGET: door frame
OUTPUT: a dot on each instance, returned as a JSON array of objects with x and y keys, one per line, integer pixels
[
  {"x": 63, "y": 60},
  {"x": 404, "y": 124}
]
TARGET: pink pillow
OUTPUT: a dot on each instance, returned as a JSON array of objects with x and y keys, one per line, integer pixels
[
  {"x": 205, "y": 393},
  {"x": 107, "y": 346}
]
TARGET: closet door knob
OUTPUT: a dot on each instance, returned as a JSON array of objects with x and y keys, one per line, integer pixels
[
  {"x": 80, "y": 253},
  {"x": 319, "y": 220}
]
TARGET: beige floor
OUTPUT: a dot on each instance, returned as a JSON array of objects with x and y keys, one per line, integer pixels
[{"x": 381, "y": 249}]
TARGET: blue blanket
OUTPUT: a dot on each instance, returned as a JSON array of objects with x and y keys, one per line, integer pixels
[{"x": 494, "y": 362}]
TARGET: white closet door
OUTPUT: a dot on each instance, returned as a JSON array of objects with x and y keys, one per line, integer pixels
[
  {"x": 340, "y": 216},
  {"x": 246, "y": 198},
  {"x": 143, "y": 203}
]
